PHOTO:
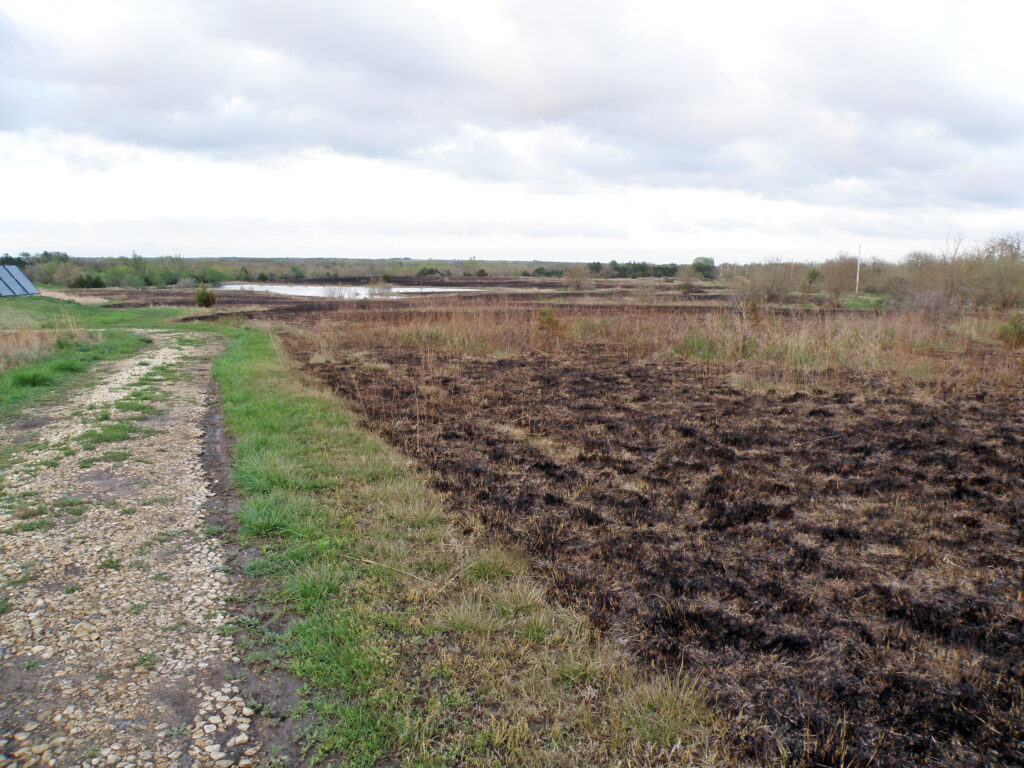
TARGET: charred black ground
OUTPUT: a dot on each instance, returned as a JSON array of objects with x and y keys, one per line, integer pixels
[{"x": 843, "y": 566}]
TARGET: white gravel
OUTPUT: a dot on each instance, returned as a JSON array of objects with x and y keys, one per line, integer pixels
[{"x": 109, "y": 650}]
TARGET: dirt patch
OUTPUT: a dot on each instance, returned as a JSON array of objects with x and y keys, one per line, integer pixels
[
  {"x": 842, "y": 566},
  {"x": 79, "y": 297},
  {"x": 27, "y": 425}
]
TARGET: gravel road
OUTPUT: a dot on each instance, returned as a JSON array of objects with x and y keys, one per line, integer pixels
[{"x": 112, "y": 583}]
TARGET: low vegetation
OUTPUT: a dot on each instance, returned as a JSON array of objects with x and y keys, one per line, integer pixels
[
  {"x": 420, "y": 644},
  {"x": 623, "y": 524},
  {"x": 62, "y": 364},
  {"x": 813, "y": 512},
  {"x": 205, "y": 297},
  {"x": 761, "y": 348},
  {"x": 989, "y": 275}
]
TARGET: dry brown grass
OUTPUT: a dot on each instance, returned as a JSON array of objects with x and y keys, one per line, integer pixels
[
  {"x": 27, "y": 344},
  {"x": 811, "y": 348},
  {"x": 24, "y": 345}
]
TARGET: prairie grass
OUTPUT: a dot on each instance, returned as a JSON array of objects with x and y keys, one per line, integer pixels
[
  {"x": 815, "y": 347},
  {"x": 29, "y": 343}
]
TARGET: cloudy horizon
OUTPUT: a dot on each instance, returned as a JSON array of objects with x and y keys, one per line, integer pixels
[{"x": 552, "y": 131}]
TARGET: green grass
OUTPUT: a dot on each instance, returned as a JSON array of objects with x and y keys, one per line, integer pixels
[
  {"x": 44, "y": 312},
  {"x": 110, "y": 456},
  {"x": 146, "y": 661},
  {"x": 108, "y": 337},
  {"x": 862, "y": 301},
  {"x": 40, "y": 524},
  {"x": 106, "y": 432},
  {"x": 137, "y": 406}
]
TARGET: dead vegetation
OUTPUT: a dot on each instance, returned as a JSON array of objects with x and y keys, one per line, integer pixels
[
  {"x": 26, "y": 344},
  {"x": 834, "y": 548}
]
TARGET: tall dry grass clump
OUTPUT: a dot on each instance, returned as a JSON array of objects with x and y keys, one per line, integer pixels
[{"x": 24, "y": 345}]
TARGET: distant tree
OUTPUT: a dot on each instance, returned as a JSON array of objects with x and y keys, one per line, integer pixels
[
  {"x": 577, "y": 277},
  {"x": 545, "y": 272},
  {"x": 839, "y": 275},
  {"x": 704, "y": 267}
]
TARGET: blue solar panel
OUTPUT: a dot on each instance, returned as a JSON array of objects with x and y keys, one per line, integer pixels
[{"x": 14, "y": 283}]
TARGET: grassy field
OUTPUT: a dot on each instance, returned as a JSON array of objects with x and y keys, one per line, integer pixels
[
  {"x": 814, "y": 512},
  {"x": 417, "y": 641},
  {"x": 638, "y": 531}
]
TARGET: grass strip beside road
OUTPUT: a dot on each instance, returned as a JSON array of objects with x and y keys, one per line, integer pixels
[{"x": 418, "y": 643}]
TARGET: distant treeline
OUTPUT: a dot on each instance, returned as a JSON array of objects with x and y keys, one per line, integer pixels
[
  {"x": 988, "y": 275},
  {"x": 135, "y": 271}
]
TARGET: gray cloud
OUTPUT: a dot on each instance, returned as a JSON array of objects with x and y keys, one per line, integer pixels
[{"x": 849, "y": 111}]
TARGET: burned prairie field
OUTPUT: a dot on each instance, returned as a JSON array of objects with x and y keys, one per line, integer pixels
[{"x": 833, "y": 548}]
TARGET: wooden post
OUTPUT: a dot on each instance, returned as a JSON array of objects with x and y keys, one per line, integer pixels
[{"x": 856, "y": 287}]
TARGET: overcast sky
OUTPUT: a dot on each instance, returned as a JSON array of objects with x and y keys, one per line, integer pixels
[{"x": 539, "y": 129}]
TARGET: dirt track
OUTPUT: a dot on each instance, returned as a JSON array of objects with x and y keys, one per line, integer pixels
[
  {"x": 109, "y": 647},
  {"x": 844, "y": 566}
]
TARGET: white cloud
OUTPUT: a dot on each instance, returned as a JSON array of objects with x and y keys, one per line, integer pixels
[{"x": 512, "y": 126}]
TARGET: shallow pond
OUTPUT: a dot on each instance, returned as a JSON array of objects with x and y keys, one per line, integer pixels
[{"x": 340, "y": 291}]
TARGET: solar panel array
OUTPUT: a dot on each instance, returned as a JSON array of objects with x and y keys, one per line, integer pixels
[{"x": 14, "y": 283}]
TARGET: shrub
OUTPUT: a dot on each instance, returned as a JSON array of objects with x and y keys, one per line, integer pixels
[
  {"x": 548, "y": 323},
  {"x": 577, "y": 277},
  {"x": 811, "y": 278},
  {"x": 88, "y": 281},
  {"x": 1012, "y": 333},
  {"x": 32, "y": 377},
  {"x": 205, "y": 297}
]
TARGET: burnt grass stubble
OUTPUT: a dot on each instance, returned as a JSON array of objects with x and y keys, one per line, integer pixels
[{"x": 842, "y": 569}]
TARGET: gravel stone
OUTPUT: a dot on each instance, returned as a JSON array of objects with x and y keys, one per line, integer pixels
[{"x": 111, "y": 643}]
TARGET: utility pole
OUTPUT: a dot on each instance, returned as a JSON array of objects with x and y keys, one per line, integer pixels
[{"x": 856, "y": 287}]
